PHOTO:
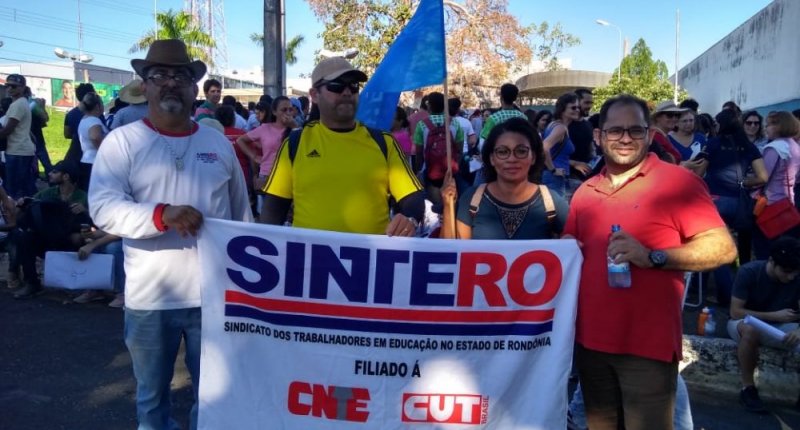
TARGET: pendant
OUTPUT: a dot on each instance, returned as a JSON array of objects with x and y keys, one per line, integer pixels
[{"x": 179, "y": 163}]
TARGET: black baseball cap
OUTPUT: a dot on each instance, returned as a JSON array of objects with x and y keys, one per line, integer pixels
[
  {"x": 15, "y": 80},
  {"x": 67, "y": 167}
]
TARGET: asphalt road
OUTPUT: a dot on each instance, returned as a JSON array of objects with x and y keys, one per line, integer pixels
[{"x": 65, "y": 366}]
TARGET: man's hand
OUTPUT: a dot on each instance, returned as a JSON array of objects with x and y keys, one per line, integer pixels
[
  {"x": 624, "y": 248},
  {"x": 77, "y": 208},
  {"x": 449, "y": 191},
  {"x": 785, "y": 316},
  {"x": 85, "y": 251},
  {"x": 792, "y": 339},
  {"x": 401, "y": 225},
  {"x": 185, "y": 220},
  {"x": 581, "y": 167}
]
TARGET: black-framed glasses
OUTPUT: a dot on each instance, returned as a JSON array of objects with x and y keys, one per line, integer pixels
[
  {"x": 503, "y": 153},
  {"x": 752, "y": 123},
  {"x": 180, "y": 79},
  {"x": 616, "y": 133},
  {"x": 338, "y": 87}
]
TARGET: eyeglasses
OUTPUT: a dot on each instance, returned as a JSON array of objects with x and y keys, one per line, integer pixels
[
  {"x": 503, "y": 153},
  {"x": 752, "y": 123},
  {"x": 338, "y": 87},
  {"x": 672, "y": 115},
  {"x": 180, "y": 79},
  {"x": 615, "y": 133},
  {"x": 575, "y": 108}
]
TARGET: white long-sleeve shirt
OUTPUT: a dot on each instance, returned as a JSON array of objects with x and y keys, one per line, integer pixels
[{"x": 133, "y": 172}]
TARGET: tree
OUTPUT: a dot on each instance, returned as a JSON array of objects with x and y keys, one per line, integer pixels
[
  {"x": 291, "y": 46},
  {"x": 549, "y": 42},
  {"x": 484, "y": 41},
  {"x": 179, "y": 25},
  {"x": 642, "y": 76}
]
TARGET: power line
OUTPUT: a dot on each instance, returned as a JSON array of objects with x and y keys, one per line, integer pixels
[
  {"x": 121, "y": 7},
  {"x": 35, "y": 62},
  {"x": 67, "y": 47},
  {"x": 61, "y": 24}
]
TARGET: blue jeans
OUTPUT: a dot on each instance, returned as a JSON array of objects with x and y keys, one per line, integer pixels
[
  {"x": 20, "y": 176},
  {"x": 153, "y": 339},
  {"x": 115, "y": 249},
  {"x": 682, "y": 420}
]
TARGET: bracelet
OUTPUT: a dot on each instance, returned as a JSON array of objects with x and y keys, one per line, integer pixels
[{"x": 158, "y": 217}]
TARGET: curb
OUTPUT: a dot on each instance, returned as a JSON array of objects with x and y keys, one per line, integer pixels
[{"x": 711, "y": 363}]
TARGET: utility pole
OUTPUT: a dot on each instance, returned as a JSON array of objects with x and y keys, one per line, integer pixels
[{"x": 274, "y": 58}]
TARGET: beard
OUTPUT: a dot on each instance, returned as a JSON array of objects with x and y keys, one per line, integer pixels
[{"x": 171, "y": 105}]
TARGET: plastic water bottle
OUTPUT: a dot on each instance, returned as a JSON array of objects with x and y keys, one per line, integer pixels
[
  {"x": 619, "y": 275},
  {"x": 702, "y": 320},
  {"x": 710, "y": 325}
]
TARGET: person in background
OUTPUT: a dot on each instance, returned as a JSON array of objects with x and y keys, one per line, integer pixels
[
  {"x": 770, "y": 291},
  {"x": 732, "y": 106},
  {"x": 305, "y": 107},
  {"x": 542, "y": 120},
  {"x": 706, "y": 125},
  {"x": 730, "y": 156},
  {"x": 20, "y": 150},
  {"x": 782, "y": 161},
  {"x": 39, "y": 119},
  {"x": 212, "y": 89},
  {"x": 531, "y": 115},
  {"x": 754, "y": 129},
  {"x": 476, "y": 119},
  {"x": 558, "y": 146},
  {"x": 299, "y": 116},
  {"x": 136, "y": 109},
  {"x": 71, "y": 123},
  {"x": 665, "y": 120},
  {"x": 91, "y": 132},
  {"x": 239, "y": 121},
  {"x": 418, "y": 116},
  {"x": 690, "y": 104},
  {"x": 685, "y": 139},
  {"x": 117, "y": 104},
  {"x": 400, "y": 133}
]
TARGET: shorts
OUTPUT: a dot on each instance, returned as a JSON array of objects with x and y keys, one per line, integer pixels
[{"x": 733, "y": 332}]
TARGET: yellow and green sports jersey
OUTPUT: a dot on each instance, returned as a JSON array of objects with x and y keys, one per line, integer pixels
[{"x": 340, "y": 181}]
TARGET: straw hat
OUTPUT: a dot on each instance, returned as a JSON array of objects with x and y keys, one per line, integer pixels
[{"x": 132, "y": 93}]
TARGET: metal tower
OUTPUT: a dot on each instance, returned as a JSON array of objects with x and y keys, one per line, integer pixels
[{"x": 210, "y": 16}]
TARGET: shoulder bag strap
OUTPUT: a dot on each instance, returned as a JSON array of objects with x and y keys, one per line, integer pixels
[
  {"x": 475, "y": 203},
  {"x": 549, "y": 205}
]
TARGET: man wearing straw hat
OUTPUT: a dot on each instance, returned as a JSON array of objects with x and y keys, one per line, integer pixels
[
  {"x": 338, "y": 172},
  {"x": 133, "y": 95},
  {"x": 152, "y": 184}
]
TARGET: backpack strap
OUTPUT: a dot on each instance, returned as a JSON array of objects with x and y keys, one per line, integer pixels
[
  {"x": 475, "y": 203},
  {"x": 549, "y": 205},
  {"x": 294, "y": 143},
  {"x": 380, "y": 139},
  {"x": 428, "y": 123},
  {"x": 377, "y": 136}
]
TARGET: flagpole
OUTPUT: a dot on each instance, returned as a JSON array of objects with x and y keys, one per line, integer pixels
[{"x": 450, "y": 208}]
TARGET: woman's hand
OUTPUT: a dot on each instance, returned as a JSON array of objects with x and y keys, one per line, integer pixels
[
  {"x": 449, "y": 191},
  {"x": 581, "y": 167}
]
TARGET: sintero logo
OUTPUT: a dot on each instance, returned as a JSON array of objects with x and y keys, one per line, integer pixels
[
  {"x": 445, "y": 408},
  {"x": 331, "y": 402}
]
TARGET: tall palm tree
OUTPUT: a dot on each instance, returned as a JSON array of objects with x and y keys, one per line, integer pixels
[
  {"x": 291, "y": 46},
  {"x": 179, "y": 25}
]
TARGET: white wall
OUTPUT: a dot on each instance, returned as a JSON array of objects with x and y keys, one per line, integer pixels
[{"x": 757, "y": 65}]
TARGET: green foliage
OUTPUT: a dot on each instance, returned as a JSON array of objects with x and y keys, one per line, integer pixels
[
  {"x": 642, "y": 76},
  {"x": 291, "y": 46},
  {"x": 57, "y": 145},
  {"x": 179, "y": 25},
  {"x": 547, "y": 43}
]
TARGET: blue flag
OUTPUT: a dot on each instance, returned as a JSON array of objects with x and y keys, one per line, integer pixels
[{"x": 416, "y": 59}]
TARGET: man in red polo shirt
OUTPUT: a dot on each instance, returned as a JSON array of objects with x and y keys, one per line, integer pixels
[{"x": 629, "y": 339}]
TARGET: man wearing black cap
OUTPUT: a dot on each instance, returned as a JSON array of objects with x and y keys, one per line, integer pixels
[
  {"x": 20, "y": 152},
  {"x": 62, "y": 209},
  {"x": 152, "y": 184},
  {"x": 338, "y": 172}
]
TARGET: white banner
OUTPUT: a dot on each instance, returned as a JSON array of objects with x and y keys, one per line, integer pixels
[{"x": 307, "y": 329}]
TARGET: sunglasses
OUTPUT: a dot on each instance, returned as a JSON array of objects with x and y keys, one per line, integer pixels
[
  {"x": 672, "y": 115},
  {"x": 614, "y": 134},
  {"x": 520, "y": 152},
  {"x": 752, "y": 123},
  {"x": 338, "y": 87},
  {"x": 161, "y": 79}
]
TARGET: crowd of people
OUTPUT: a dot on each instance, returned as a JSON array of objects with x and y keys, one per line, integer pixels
[{"x": 683, "y": 186}]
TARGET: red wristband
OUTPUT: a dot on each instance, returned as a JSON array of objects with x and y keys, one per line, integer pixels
[{"x": 158, "y": 215}]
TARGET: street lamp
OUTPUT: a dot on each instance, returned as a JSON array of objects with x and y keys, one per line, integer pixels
[
  {"x": 82, "y": 58},
  {"x": 605, "y": 23},
  {"x": 349, "y": 53}
]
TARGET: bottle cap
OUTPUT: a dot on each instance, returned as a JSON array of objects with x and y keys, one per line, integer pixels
[{"x": 615, "y": 228}]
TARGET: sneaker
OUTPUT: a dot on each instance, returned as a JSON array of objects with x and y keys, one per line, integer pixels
[
  {"x": 751, "y": 401},
  {"x": 88, "y": 296},
  {"x": 118, "y": 302},
  {"x": 28, "y": 291}
]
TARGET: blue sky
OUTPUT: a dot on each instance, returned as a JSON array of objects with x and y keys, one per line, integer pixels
[{"x": 111, "y": 26}]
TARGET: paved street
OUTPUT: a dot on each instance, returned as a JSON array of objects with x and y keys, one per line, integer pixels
[{"x": 64, "y": 366}]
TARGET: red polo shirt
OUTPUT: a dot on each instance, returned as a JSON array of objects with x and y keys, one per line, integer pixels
[{"x": 662, "y": 206}]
